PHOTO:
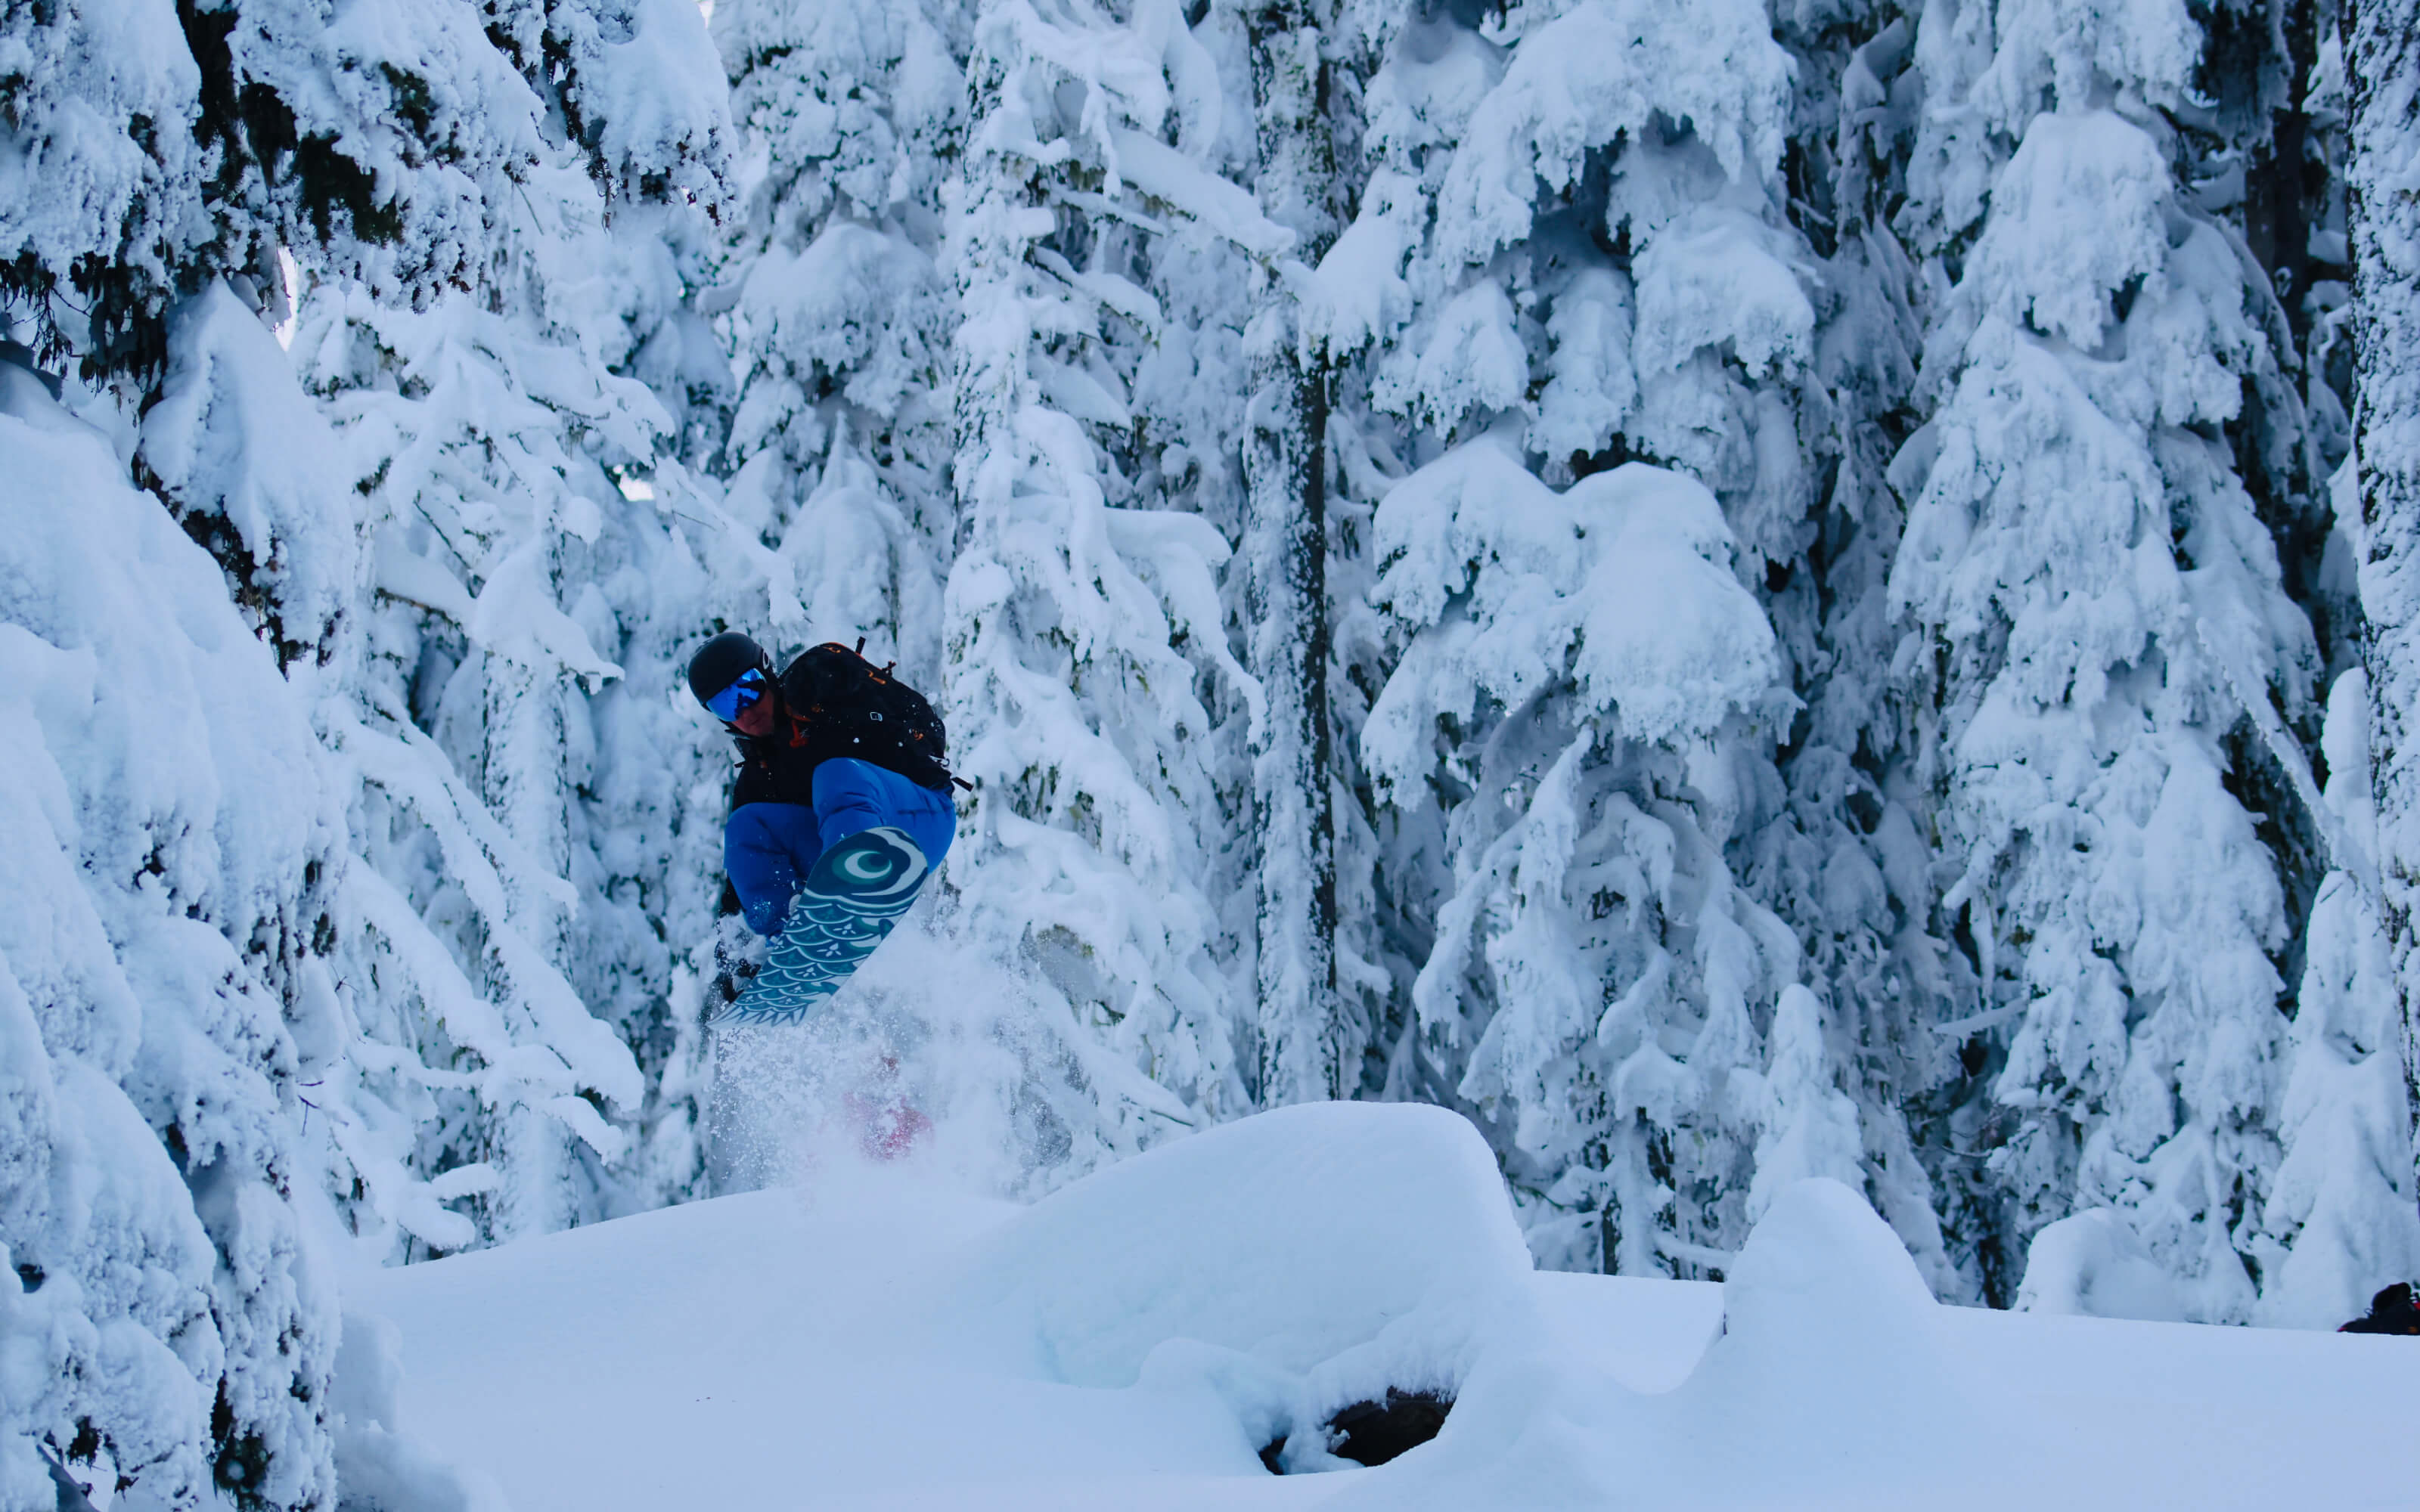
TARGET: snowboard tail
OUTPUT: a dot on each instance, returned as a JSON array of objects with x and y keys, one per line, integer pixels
[{"x": 848, "y": 904}]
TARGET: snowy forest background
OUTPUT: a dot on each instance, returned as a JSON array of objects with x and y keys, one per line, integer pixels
[{"x": 1732, "y": 592}]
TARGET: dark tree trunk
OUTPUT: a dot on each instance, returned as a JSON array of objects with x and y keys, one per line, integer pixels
[{"x": 1285, "y": 544}]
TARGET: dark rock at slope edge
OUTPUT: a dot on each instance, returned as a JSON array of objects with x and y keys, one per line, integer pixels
[{"x": 1376, "y": 1432}]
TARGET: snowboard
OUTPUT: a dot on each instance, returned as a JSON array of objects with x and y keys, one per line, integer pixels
[{"x": 855, "y": 893}]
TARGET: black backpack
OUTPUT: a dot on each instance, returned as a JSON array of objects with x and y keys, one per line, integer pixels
[
  {"x": 2392, "y": 1311},
  {"x": 841, "y": 704}
]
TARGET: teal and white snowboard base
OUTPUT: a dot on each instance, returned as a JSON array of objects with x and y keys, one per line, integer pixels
[{"x": 846, "y": 906}]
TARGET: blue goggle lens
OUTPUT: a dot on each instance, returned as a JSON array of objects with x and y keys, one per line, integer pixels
[{"x": 741, "y": 696}]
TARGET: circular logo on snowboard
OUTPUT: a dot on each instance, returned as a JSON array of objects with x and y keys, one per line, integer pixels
[{"x": 876, "y": 863}]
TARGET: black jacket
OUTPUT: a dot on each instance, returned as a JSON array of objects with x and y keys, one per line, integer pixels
[{"x": 778, "y": 768}]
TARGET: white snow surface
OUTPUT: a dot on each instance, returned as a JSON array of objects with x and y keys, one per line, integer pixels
[{"x": 838, "y": 1344}]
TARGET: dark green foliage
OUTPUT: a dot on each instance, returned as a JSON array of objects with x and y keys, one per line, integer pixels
[
  {"x": 266, "y": 184},
  {"x": 240, "y": 1464}
]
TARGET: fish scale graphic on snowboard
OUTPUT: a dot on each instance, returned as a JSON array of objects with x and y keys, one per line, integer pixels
[{"x": 856, "y": 892}]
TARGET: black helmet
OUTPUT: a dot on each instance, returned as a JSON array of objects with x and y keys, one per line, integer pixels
[{"x": 719, "y": 663}]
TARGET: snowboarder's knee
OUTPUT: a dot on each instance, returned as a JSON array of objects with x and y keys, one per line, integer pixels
[{"x": 767, "y": 847}]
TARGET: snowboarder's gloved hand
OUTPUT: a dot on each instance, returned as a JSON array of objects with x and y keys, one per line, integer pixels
[{"x": 738, "y": 955}]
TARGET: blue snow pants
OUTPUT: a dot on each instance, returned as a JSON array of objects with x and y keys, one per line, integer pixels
[{"x": 769, "y": 848}]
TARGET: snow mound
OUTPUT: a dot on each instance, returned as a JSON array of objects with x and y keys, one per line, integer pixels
[
  {"x": 1820, "y": 1269},
  {"x": 1826, "y": 1374},
  {"x": 379, "y": 1465},
  {"x": 778, "y": 1330},
  {"x": 1829, "y": 1353},
  {"x": 1290, "y": 1238},
  {"x": 2092, "y": 1264}
]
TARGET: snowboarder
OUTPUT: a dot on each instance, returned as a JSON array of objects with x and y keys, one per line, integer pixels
[{"x": 839, "y": 759}]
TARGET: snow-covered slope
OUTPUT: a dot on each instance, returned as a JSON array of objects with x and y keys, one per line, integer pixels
[{"x": 873, "y": 1340}]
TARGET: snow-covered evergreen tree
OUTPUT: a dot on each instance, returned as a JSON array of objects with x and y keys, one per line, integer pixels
[
  {"x": 84, "y": 90},
  {"x": 132, "y": 178},
  {"x": 463, "y": 726},
  {"x": 1845, "y": 864},
  {"x": 219, "y": 1112},
  {"x": 1560, "y": 231},
  {"x": 173, "y": 834},
  {"x": 1597, "y": 969},
  {"x": 2382, "y": 66},
  {"x": 503, "y": 780},
  {"x": 2103, "y": 642},
  {"x": 2342, "y": 1214},
  {"x": 1089, "y": 675},
  {"x": 838, "y": 451},
  {"x": 185, "y": 825}
]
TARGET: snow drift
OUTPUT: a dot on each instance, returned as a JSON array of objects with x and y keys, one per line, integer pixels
[
  {"x": 1293, "y": 1263},
  {"x": 875, "y": 1340}
]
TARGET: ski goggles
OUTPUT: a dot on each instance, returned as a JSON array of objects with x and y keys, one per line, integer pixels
[{"x": 737, "y": 699}]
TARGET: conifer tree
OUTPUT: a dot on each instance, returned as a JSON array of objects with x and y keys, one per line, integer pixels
[
  {"x": 1581, "y": 315},
  {"x": 2107, "y": 642},
  {"x": 1088, "y": 669},
  {"x": 2380, "y": 54},
  {"x": 172, "y": 830},
  {"x": 2341, "y": 1213},
  {"x": 247, "y": 1041},
  {"x": 85, "y": 107},
  {"x": 1592, "y": 986},
  {"x": 1845, "y": 863},
  {"x": 838, "y": 448},
  {"x": 192, "y": 1069},
  {"x": 486, "y": 432}
]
